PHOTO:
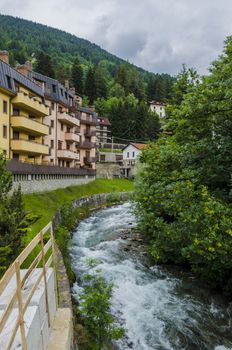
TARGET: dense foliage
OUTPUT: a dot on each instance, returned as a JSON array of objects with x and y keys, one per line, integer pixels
[
  {"x": 184, "y": 187},
  {"x": 95, "y": 305},
  {"x": 13, "y": 219}
]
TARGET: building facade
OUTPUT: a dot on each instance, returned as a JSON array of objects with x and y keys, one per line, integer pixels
[
  {"x": 131, "y": 155},
  {"x": 22, "y": 113},
  {"x": 158, "y": 107},
  {"x": 103, "y": 131}
]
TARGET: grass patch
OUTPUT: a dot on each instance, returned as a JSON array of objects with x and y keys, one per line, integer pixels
[{"x": 45, "y": 204}]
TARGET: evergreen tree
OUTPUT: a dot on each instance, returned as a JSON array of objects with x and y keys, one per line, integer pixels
[
  {"x": 12, "y": 219},
  {"x": 44, "y": 65},
  {"x": 77, "y": 76},
  {"x": 101, "y": 84},
  {"x": 90, "y": 87}
]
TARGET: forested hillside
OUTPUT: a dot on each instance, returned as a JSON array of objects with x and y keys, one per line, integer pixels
[
  {"x": 25, "y": 39},
  {"x": 117, "y": 89}
]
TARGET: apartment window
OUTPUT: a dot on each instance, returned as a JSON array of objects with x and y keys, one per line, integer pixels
[
  {"x": 16, "y": 156},
  {"x": 31, "y": 138},
  {"x": 50, "y": 130},
  {"x": 62, "y": 92},
  {"x": 4, "y": 132},
  {"x": 66, "y": 95},
  {"x": 4, "y": 106},
  {"x": 133, "y": 154},
  {"x": 52, "y": 123},
  {"x": 52, "y": 143},
  {"x": 16, "y": 111},
  {"x": 9, "y": 83},
  {"x": 15, "y": 135},
  {"x": 53, "y": 106},
  {"x": 128, "y": 154},
  {"x": 62, "y": 126},
  {"x": 54, "y": 88}
]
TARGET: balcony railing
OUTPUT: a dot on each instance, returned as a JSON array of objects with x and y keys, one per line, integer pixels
[
  {"x": 86, "y": 145},
  {"x": 68, "y": 119},
  {"x": 70, "y": 136},
  {"x": 90, "y": 133},
  {"x": 87, "y": 120},
  {"x": 33, "y": 104},
  {"x": 67, "y": 154},
  {"x": 29, "y": 125},
  {"x": 30, "y": 147}
]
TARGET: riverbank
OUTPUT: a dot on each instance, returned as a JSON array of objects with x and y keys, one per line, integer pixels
[{"x": 44, "y": 205}]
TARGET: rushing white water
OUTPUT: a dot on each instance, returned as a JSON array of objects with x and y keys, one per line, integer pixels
[{"x": 160, "y": 309}]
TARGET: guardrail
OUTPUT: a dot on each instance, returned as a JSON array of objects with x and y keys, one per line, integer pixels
[{"x": 44, "y": 243}]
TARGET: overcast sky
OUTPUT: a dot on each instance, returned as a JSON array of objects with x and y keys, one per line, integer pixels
[{"x": 158, "y": 35}]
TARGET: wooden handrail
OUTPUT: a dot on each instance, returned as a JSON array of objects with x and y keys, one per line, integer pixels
[{"x": 16, "y": 299}]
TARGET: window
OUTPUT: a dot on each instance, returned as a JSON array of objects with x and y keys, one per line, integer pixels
[
  {"x": 4, "y": 152},
  {"x": 54, "y": 88},
  {"x": 62, "y": 126},
  {"x": 52, "y": 123},
  {"x": 62, "y": 92},
  {"x": 133, "y": 154},
  {"x": 128, "y": 154},
  {"x": 4, "y": 132},
  {"x": 52, "y": 143},
  {"x": 31, "y": 138},
  {"x": 53, "y": 106},
  {"x": 4, "y": 106},
  {"x": 9, "y": 83},
  {"x": 66, "y": 95}
]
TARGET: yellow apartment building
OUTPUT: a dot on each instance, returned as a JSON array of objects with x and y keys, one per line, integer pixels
[{"x": 22, "y": 112}]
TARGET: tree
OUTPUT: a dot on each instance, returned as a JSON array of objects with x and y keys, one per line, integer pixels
[
  {"x": 90, "y": 87},
  {"x": 184, "y": 188},
  {"x": 44, "y": 65},
  {"x": 101, "y": 83},
  {"x": 95, "y": 307},
  {"x": 13, "y": 220},
  {"x": 77, "y": 76}
]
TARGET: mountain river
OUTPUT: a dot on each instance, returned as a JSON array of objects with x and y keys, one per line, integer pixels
[{"x": 160, "y": 307}]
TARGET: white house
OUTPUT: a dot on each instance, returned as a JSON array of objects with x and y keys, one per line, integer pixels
[
  {"x": 131, "y": 153},
  {"x": 158, "y": 107}
]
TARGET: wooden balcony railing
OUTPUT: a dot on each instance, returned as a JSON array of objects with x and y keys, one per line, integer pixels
[{"x": 43, "y": 247}]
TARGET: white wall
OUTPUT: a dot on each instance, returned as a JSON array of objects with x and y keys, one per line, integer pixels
[{"x": 133, "y": 153}]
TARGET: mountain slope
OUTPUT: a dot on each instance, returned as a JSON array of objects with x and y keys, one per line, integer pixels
[{"x": 25, "y": 38}]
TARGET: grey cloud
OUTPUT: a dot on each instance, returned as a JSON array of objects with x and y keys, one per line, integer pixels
[{"x": 156, "y": 35}]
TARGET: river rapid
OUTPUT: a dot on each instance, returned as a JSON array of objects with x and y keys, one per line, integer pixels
[{"x": 161, "y": 308}]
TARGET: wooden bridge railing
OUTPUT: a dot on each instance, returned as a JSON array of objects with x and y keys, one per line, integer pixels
[{"x": 43, "y": 244}]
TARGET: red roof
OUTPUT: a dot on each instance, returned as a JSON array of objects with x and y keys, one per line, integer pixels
[
  {"x": 136, "y": 145},
  {"x": 104, "y": 121}
]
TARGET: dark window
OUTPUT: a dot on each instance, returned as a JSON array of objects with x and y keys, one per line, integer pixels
[
  {"x": 52, "y": 123},
  {"x": 53, "y": 106},
  {"x": 15, "y": 135},
  {"x": 16, "y": 111},
  {"x": 62, "y": 126},
  {"x": 66, "y": 95},
  {"x": 16, "y": 156},
  {"x": 31, "y": 138},
  {"x": 54, "y": 88},
  {"x": 52, "y": 143},
  {"x": 50, "y": 130},
  {"x": 9, "y": 83},
  {"x": 128, "y": 154},
  {"x": 4, "y": 131},
  {"x": 133, "y": 154},
  {"x": 4, "y": 106},
  {"x": 62, "y": 92}
]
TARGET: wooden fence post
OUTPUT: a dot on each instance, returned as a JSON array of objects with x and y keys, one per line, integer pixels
[
  {"x": 20, "y": 305},
  {"x": 45, "y": 278},
  {"x": 54, "y": 262}
]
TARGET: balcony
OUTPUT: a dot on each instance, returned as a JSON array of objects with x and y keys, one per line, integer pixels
[
  {"x": 71, "y": 137},
  {"x": 68, "y": 119},
  {"x": 29, "y": 125},
  {"x": 68, "y": 155},
  {"x": 86, "y": 145},
  {"x": 88, "y": 120},
  {"x": 31, "y": 104},
  {"x": 90, "y": 133},
  {"x": 31, "y": 147},
  {"x": 89, "y": 160}
]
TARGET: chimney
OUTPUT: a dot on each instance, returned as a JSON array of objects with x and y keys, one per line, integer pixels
[
  {"x": 4, "y": 56},
  {"x": 66, "y": 84},
  {"x": 24, "y": 68}
]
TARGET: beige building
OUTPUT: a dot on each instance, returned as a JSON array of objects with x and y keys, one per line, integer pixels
[
  {"x": 87, "y": 145},
  {"x": 103, "y": 131},
  {"x": 158, "y": 107},
  {"x": 22, "y": 113}
]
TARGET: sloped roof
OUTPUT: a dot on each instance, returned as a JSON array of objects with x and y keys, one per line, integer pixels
[
  {"x": 104, "y": 121},
  {"x": 139, "y": 146}
]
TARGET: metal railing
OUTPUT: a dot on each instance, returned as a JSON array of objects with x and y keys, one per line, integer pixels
[{"x": 45, "y": 258}]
